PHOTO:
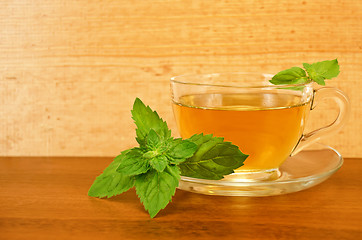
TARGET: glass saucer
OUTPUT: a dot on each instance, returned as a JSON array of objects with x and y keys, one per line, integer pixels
[{"x": 304, "y": 170}]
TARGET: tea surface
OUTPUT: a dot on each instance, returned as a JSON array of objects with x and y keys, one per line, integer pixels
[{"x": 266, "y": 126}]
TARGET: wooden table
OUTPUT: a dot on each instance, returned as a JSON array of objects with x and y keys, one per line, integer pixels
[{"x": 46, "y": 198}]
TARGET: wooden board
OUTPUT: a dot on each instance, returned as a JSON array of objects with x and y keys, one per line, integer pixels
[
  {"x": 46, "y": 198},
  {"x": 70, "y": 70}
]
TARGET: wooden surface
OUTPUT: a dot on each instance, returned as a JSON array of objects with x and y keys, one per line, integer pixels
[
  {"x": 46, "y": 198},
  {"x": 71, "y": 69}
]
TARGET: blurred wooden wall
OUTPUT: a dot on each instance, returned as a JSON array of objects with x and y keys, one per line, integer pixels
[{"x": 71, "y": 69}]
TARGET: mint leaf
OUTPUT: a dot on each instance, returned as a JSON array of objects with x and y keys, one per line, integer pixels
[
  {"x": 145, "y": 120},
  {"x": 155, "y": 189},
  {"x": 152, "y": 139},
  {"x": 180, "y": 150},
  {"x": 134, "y": 163},
  {"x": 110, "y": 182},
  {"x": 213, "y": 159},
  {"x": 314, "y": 75},
  {"x": 322, "y": 70},
  {"x": 159, "y": 163},
  {"x": 154, "y": 167},
  {"x": 294, "y": 75},
  {"x": 317, "y": 72}
]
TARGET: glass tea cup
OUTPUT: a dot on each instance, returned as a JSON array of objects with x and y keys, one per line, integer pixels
[{"x": 265, "y": 121}]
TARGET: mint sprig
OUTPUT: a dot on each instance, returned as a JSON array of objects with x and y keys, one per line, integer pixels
[
  {"x": 317, "y": 72},
  {"x": 156, "y": 166}
]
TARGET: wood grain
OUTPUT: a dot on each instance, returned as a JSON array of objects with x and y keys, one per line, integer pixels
[
  {"x": 46, "y": 198},
  {"x": 70, "y": 70}
]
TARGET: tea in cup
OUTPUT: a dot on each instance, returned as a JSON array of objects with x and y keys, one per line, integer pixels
[{"x": 265, "y": 121}]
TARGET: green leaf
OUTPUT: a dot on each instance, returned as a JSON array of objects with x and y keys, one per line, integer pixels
[
  {"x": 213, "y": 159},
  {"x": 159, "y": 163},
  {"x": 313, "y": 74},
  {"x": 134, "y": 163},
  {"x": 145, "y": 120},
  {"x": 110, "y": 182},
  {"x": 320, "y": 71},
  {"x": 152, "y": 139},
  {"x": 294, "y": 75},
  {"x": 319, "y": 80},
  {"x": 327, "y": 69},
  {"x": 180, "y": 150},
  {"x": 151, "y": 154},
  {"x": 155, "y": 189}
]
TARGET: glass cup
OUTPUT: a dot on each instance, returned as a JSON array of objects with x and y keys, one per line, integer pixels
[{"x": 265, "y": 121}]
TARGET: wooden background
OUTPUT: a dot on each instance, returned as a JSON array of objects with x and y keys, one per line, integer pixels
[{"x": 71, "y": 69}]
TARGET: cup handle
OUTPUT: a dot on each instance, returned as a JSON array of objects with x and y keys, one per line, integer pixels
[{"x": 343, "y": 104}]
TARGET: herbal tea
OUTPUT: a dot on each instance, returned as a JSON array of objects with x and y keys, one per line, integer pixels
[{"x": 266, "y": 126}]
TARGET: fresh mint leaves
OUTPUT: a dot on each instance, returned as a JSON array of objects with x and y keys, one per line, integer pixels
[
  {"x": 155, "y": 189},
  {"x": 155, "y": 167},
  {"x": 213, "y": 159},
  {"x": 110, "y": 182},
  {"x": 134, "y": 163},
  {"x": 292, "y": 75},
  {"x": 317, "y": 72},
  {"x": 145, "y": 120},
  {"x": 320, "y": 71}
]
